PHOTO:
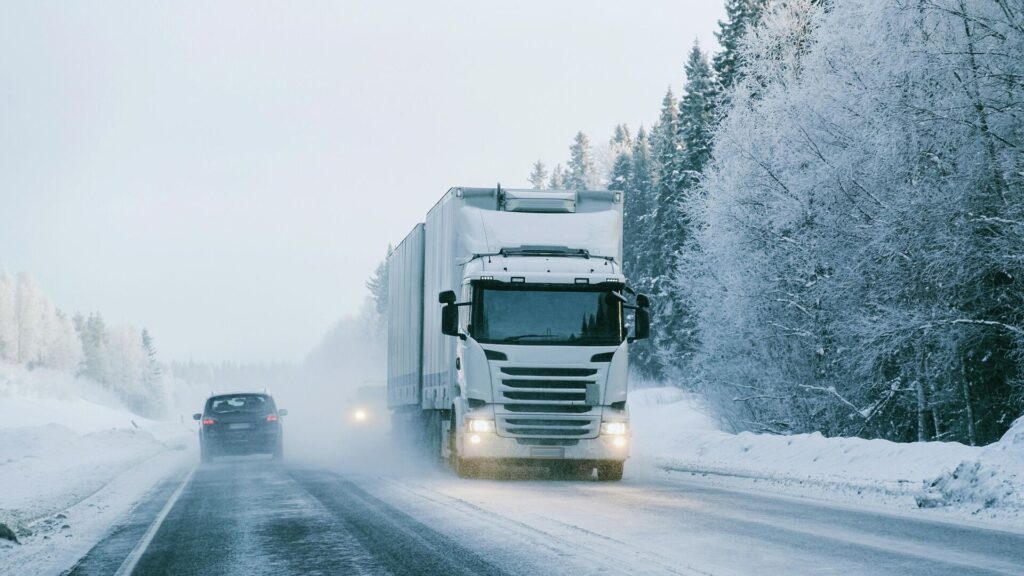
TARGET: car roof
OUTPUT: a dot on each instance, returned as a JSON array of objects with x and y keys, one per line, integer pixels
[{"x": 233, "y": 394}]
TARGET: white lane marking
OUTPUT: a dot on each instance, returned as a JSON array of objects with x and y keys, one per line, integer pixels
[{"x": 128, "y": 566}]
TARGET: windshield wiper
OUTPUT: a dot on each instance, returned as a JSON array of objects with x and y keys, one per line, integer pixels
[{"x": 523, "y": 336}]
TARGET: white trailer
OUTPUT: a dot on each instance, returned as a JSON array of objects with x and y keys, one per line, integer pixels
[{"x": 507, "y": 332}]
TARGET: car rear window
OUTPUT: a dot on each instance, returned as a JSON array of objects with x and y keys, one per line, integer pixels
[{"x": 246, "y": 403}]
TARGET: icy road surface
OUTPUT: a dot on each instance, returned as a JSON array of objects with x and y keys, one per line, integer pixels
[{"x": 252, "y": 516}]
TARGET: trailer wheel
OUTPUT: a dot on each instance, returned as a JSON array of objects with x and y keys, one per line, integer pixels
[{"x": 610, "y": 471}]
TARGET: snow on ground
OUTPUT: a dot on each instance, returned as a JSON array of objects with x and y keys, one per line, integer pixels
[
  {"x": 672, "y": 433},
  {"x": 63, "y": 442}
]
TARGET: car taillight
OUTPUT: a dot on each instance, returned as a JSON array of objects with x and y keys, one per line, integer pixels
[
  {"x": 272, "y": 418},
  {"x": 208, "y": 421}
]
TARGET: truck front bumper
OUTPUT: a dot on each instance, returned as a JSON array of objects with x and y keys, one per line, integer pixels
[{"x": 490, "y": 446}]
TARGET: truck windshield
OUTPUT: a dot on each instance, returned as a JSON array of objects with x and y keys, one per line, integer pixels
[{"x": 546, "y": 315}]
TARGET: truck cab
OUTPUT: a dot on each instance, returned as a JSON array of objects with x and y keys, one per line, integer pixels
[{"x": 526, "y": 325}]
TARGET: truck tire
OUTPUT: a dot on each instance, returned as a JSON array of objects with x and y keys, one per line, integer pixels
[
  {"x": 465, "y": 468},
  {"x": 610, "y": 471},
  {"x": 458, "y": 464}
]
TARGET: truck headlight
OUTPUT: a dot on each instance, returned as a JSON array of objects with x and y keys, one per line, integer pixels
[
  {"x": 613, "y": 428},
  {"x": 481, "y": 425}
]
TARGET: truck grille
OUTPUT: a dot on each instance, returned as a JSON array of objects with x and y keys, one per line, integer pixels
[
  {"x": 550, "y": 429},
  {"x": 547, "y": 404},
  {"x": 549, "y": 386}
]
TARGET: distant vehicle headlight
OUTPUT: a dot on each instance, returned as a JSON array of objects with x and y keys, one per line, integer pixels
[
  {"x": 613, "y": 428},
  {"x": 360, "y": 415},
  {"x": 481, "y": 425}
]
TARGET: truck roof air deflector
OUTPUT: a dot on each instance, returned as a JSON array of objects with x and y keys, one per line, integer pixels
[{"x": 563, "y": 202}]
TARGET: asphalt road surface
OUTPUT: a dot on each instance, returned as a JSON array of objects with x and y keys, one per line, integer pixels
[{"x": 252, "y": 516}]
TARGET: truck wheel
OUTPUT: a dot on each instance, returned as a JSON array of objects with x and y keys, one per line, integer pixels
[
  {"x": 460, "y": 466},
  {"x": 610, "y": 471},
  {"x": 465, "y": 469}
]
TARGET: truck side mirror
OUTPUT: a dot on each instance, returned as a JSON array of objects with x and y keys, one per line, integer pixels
[
  {"x": 642, "y": 301},
  {"x": 450, "y": 319},
  {"x": 643, "y": 324},
  {"x": 446, "y": 297}
]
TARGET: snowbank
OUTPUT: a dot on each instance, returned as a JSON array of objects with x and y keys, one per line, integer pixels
[
  {"x": 671, "y": 432},
  {"x": 62, "y": 439},
  {"x": 991, "y": 478}
]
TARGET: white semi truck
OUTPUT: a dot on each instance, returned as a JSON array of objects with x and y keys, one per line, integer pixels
[{"x": 507, "y": 332}]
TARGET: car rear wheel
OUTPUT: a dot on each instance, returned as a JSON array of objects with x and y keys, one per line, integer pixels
[
  {"x": 205, "y": 455},
  {"x": 278, "y": 453}
]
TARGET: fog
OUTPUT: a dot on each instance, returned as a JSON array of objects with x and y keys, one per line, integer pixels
[{"x": 228, "y": 175}]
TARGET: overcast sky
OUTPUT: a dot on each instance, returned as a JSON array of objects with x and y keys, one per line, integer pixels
[{"x": 228, "y": 174}]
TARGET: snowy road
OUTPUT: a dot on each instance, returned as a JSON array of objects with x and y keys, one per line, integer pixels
[{"x": 254, "y": 517}]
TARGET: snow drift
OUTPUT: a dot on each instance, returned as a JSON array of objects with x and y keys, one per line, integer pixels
[
  {"x": 62, "y": 439},
  {"x": 671, "y": 432}
]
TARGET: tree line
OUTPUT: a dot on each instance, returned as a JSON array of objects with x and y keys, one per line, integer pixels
[
  {"x": 830, "y": 218},
  {"x": 36, "y": 334}
]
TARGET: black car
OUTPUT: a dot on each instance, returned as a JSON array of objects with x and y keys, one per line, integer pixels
[{"x": 243, "y": 423}]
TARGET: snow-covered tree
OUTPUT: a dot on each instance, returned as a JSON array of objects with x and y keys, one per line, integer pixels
[
  {"x": 557, "y": 181},
  {"x": 857, "y": 248},
  {"x": 675, "y": 340},
  {"x": 639, "y": 243},
  {"x": 741, "y": 16},
  {"x": 62, "y": 349},
  {"x": 539, "y": 175},
  {"x": 668, "y": 233},
  {"x": 92, "y": 331},
  {"x": 378, "y": 287},
  {"x": 130, "y": 366},
  {"x": 30, "y": 308},
  {"x": 622, "y": 166},
  {"x": 621, "y": 141},
  {"x": 581, "y": 165},
  {"x": 696, "y": 116},
  {"x": 8, "y": 319}
]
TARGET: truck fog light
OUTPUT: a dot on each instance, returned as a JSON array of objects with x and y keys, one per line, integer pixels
[
  {"x": 619, "y": 441},
  {"x": 613, "y": 428},
  {"x": 474, "y": 439},
  {"x": 479, "y": 425}
]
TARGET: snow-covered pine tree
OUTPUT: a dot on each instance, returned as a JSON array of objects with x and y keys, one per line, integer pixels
[
  {"x": 741, "y": 16},
  {"x": 539, "y": 175},
  {"x": 696, "y": 116},
  {"x": 676, "y": 340},
  {"x": 29, "y": 311},
  {"x": 127, "y": 369},
  {"x": 641, "y": 249},
  {"x": 92, "y": 331},
  {"x": 557, "y": 181},
  {"x": 581, "y": 165},
  {"x": 151, "y": 401},
  {"x": 64, "y": 349},
  {"x": 378, "y": 287},
  {"x": 668, "y": 234},
  {"x": 8, "y": 319},
  {"x": 621, "y": 145},
  {"x": 621, "y": 141}
]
